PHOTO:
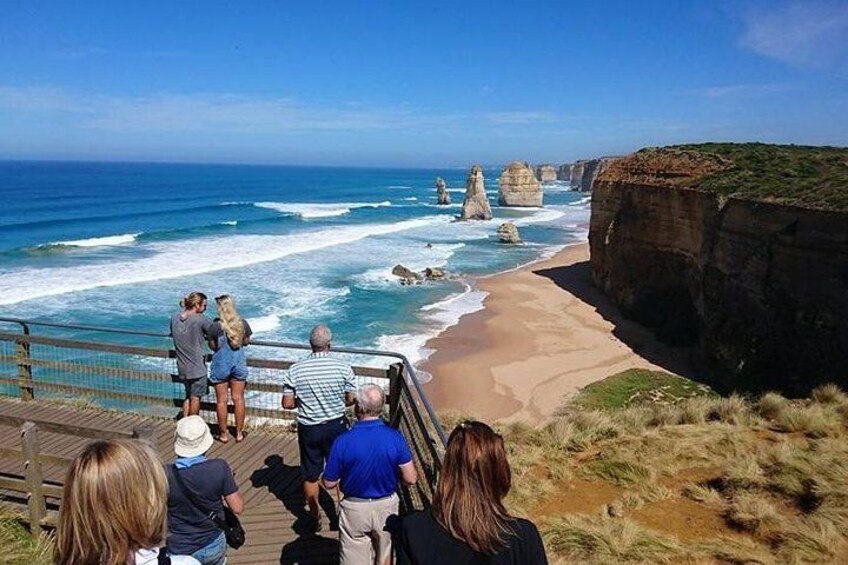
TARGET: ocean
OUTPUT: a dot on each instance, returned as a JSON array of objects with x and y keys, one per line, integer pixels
[{"x": 118, "y": 244}]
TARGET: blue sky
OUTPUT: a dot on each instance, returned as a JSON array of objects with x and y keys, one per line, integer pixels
[{"x": 414, "y": 83}]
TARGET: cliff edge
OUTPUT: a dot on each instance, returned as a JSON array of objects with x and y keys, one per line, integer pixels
[{"x": 738, "y": 249}]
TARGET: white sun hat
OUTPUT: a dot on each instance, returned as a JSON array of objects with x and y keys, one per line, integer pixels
[{"x": 193, "y": 437}]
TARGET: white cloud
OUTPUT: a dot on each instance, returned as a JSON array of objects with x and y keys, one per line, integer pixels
[
  {"x": 741, "y": 90},
  {"x": 808, "y": 34}
]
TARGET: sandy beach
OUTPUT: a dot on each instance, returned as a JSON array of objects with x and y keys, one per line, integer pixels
[{"x": 544, "y": 333}]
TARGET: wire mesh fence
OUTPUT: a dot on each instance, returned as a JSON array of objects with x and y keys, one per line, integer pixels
[{"x": 136, "y": 372}]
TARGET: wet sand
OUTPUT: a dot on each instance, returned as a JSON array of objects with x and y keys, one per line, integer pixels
[{"x": 544, "y": 333}]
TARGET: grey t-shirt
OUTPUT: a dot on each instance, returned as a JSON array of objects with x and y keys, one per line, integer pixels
[{"x": 190, "y": 334}]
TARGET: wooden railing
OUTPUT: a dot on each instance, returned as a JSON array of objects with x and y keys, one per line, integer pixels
[
  {"x": 32, "y": 485},
  {"x": 113, "y": 371}
]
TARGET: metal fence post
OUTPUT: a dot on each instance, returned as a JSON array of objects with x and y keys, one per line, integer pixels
[
  {"x": 32, "y": 474},
  {"x": 24, "y": 369}
]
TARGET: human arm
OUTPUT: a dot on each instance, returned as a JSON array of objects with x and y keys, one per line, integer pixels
[
  {"x": 333, "y": 469},
  {"x": 235, "y": 502},
  {"x": 350, "y": 386},
  {"x": 408, "y": 474},
  {"x": 289, "y": 402}
]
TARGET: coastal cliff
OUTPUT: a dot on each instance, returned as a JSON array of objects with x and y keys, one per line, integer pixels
[{"x": 739, "y": 250}]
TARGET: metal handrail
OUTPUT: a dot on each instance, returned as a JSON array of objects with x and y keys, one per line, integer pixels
[{"x": 413, "y": 377}]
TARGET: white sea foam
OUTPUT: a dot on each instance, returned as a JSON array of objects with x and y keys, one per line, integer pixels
[
  {"x": 582, "y": 202},
  {"x": 398, "y": 186},
  {"x": 122, "y": 239},
  {"x": 264, "y": 324},
  {"x": 540, "y": 215},
  {"x": 229, "y": 223},
  {"x": 308, "y": 210},
  {"x": 437, "y": 318},
  {"x": 411, "y": 198},
  {"x": 167, "y": 260}
]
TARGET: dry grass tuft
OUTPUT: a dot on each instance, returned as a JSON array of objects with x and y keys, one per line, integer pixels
[
  {"x": 622, "y": 473},
  {"x": 731, "y": 410},
  {"x": 752, "y": 512},
  {"x": 771, "y": 405},
  {"x": 829, "y": 394},
  {"x": 703, "y": 493},
  {"x": 813, "y": 420},
  {"x": 600, "y": 539}
]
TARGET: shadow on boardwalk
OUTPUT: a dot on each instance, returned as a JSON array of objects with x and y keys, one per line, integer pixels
[{"x": 284, "y": 483}]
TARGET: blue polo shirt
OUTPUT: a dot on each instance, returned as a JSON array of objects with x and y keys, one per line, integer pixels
[{"x": 366, "y": 459}]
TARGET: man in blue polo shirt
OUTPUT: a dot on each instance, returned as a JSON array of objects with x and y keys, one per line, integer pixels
[{"x": 366, "y": 460}]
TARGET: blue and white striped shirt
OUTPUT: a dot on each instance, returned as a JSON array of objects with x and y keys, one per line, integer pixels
[{"x": 320, "y": 383}]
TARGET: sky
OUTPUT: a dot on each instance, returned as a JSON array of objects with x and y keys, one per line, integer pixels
[{"x": 429, "y": 84}]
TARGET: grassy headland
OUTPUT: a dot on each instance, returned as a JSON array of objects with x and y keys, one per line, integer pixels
[
  {"x": 813, "y": 177},
  {"x": 689, "y": 478}
]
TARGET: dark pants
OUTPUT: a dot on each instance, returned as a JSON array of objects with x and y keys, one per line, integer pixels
[{"x": 315, "y": 443}]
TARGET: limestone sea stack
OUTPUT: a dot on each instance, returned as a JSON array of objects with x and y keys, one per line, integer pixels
[
  {"x": 546, "y": 173},
  {"x": 476, "y": 204},
  {"x": 519, "y": 187},
  {"x": 442, "y": 195},
  {"x": 508, "y": 233}
]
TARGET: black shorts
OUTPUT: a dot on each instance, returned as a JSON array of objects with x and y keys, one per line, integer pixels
[{"x": 315, "y": 443}]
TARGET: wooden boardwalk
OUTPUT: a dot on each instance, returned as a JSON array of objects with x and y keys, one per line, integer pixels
[{"x": 266, "y": 466}]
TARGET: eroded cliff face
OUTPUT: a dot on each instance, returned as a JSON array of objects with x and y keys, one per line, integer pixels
[
  {"x": 546, "y": 173},
  {"x": 584, "y": 173},
  {"x": 759, "y": 289}
]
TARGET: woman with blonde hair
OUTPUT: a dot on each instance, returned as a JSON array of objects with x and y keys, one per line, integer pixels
[
  {"x": 228, "y": 336},
  {"x": 468, "y": 522},
  {"x": 114, "y": 505}
]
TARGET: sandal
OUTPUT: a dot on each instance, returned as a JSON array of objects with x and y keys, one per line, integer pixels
[
  {"x": 223, "y": 438},
  {"x": 239, "y": 437}
]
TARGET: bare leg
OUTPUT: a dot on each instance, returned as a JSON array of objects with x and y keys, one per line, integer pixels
[
  {"x": 237, "y": 388},
  {"x": 310, "y": 492},
  {"x": 194, "y": 406},
  {"x": 222, "y": 394},
  {"x": 186, "y": 407}
]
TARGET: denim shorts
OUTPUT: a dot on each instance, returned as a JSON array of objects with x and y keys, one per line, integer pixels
[
  {"x": 315, "y": 442},
  {"x": 213, "y": 553}
]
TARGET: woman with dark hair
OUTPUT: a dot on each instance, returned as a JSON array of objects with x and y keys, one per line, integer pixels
[{"x": 468, "y": 522}]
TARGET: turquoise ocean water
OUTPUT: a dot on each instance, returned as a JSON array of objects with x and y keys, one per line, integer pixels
[{"x": 118, "y": 244}]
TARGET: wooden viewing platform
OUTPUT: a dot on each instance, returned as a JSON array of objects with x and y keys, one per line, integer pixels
[
  {"x": 134, "y": 373},
  {"x": 266, "y": 466}
]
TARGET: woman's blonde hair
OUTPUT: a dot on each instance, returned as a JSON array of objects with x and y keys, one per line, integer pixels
[
  {"x": 114, "y": 503},
  {"x": 474, "y": 480},
  {"x": 230, "y": 320}
]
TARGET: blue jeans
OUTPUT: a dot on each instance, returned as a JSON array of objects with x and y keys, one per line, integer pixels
[{"x": 214, "y": 553}]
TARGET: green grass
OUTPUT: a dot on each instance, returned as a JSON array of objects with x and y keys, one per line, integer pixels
[
  {"x": 19, "y": 547},
  {"x": 638, "y": 386},
  {"x": 814, "y": 177}
]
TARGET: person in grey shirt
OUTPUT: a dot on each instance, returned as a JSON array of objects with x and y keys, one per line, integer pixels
[{"x": 190, "y": 330}]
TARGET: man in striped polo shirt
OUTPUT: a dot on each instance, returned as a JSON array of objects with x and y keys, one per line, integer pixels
[{"x": 319, "y": 386}]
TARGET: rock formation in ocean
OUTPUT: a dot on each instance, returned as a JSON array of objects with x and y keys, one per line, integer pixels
[
  {"x": 442, "y": 194},
  {"x": 476, "y": 203},
  {"x": 564, "y": 172},
  {"x": 508, "y": 233},
  {"x": 407, "y": 275},
  {"x": 546, "y": 173},
  {"x": 716, "y": 246},
  {"x": 518, "y": 186},
  {"x": 434, "y": 273}
]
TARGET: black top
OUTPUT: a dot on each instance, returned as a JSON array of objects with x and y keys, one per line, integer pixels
[{"x": 423, "y": 541}]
